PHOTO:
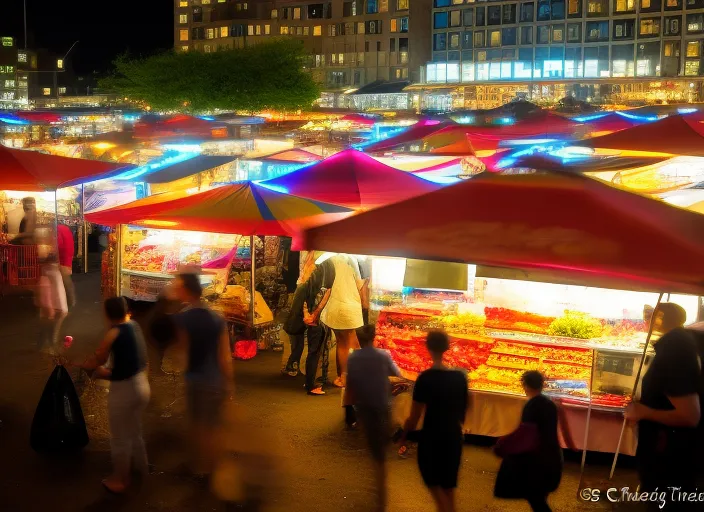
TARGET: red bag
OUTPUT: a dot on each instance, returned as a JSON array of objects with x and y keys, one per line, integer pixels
[{"x": 245, "y": 349}]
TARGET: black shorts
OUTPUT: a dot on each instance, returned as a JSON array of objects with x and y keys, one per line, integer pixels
[
  {"x": 439, "y": 462},
  {"x": 205, "y": 403},
  {"x": 375, "y": 424}
]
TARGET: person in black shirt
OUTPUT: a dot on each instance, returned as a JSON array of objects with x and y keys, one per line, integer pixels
[
  {"x": 669, "y": 410},
  {"x": 304, "y": 303},
  {"x": 440, "y": 393},
  {"x": 532, "y": 465}
]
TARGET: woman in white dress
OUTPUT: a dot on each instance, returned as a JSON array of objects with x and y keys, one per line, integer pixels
[{"x": 342, "y": 309}]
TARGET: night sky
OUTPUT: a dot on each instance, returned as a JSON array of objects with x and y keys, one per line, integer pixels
[{"x": 103, "y": 29}]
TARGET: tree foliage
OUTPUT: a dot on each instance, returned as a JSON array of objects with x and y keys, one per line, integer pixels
[{"x": 260, "y": 77}]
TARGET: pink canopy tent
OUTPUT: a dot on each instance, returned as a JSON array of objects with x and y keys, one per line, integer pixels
[{"x": 351, "y": 179}]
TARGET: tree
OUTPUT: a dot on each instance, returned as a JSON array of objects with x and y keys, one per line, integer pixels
[{"x": 260, "y": 77}]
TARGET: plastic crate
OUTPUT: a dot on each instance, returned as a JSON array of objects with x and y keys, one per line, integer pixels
[{"x": 19, "y": 265}]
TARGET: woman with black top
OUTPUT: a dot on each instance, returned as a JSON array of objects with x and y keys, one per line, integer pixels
[
  {"x": 129, "y": 392},
  {"x": 440, "y": 393},
  {"x": 532, "y": 465}
]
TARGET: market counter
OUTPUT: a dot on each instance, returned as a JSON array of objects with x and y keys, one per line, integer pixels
[{"x": 495, "y": 415}]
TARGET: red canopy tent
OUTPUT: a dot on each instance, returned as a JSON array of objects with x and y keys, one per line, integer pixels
[
  {"x": 673, "y": 135},
  {"x": 352, "y": 179},
  {"x": 175, "y": 126},
  {"x": 31, "y": 171},
  {"x": 414, "y": 133},
  {"x": 39, "y": 117},
  {"x": 573, "y": 228},
  {"x": 242, "y": 208},
  {"x": 293, "y": 155}
]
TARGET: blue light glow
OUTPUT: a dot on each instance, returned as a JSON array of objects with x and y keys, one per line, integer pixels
[
  {"x": 686, "y": 110},
  {"x": 465, "y": 120},
  {"x": 275, "y": 188},
  {"x": 13, "y": 120},
  {"x": 441, "y": 180},
  {"x": 505, "y": 120},
  {"x": 153, "y": 166},
  {"x": 592, "y": 117},
  {"x": 525, "y": 142},
  {"x": 634, "y": 117},
  {"x": 131, "y": 118},
  {"x": 207, "y": 118}
]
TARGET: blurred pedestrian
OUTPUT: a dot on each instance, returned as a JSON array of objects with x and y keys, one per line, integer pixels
[
  {"x": 28, "y": 224},
  {"x": 66, "y": 250},
  {"x": 50, "y": 298},
  {"x": 669, "y": 409},
  {"x": 442, "y": 395},
  {"x": 129, "y": 392},
  {"x": 209, "y": 378},
  {"x": 532, "y": 458},
  {"x": 368, "y": 384}
]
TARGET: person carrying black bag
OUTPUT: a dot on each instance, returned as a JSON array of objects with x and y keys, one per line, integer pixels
[{"x": 532, "y": 458}]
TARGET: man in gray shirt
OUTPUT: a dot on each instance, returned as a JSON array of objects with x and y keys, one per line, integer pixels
[{"x": 368, "y": 373}]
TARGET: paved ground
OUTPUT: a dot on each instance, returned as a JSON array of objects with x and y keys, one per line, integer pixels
[{"x": 320, "y": 467}]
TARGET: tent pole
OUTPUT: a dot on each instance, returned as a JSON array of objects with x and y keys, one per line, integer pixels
[
  {"x": 85, "y": 230},
  {"x": 635, "y": 384},
  {"x": 252, "y": 297},
  {"x": 589, "y": 417}
]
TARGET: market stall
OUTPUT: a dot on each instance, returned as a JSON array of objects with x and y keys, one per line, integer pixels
[
  {"x": 55, "y": 185},
  {"x": 565, "y": 266},
  {"x": 233, "y": 234}
]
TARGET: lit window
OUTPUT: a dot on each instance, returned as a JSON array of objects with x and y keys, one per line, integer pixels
[
  {"x": 650, "y": 27},
  {"x": 691, "y": 68},
  {"x": 62, "y": 90},
  {"x": 645, "y": 4},
  {"x": 283, "y": 31},
  {"x": 306, "y": 31},
  {"x": 46, "y": 91},
  {"x": 318, "y": 30},
  {"x": 394, "y": 25},
  {"x": 693, "y": 49},
  {"x": 250, "y": 30},
  {"x": 210, "y": 33},
  {"x": 402, "y": 5},
  {"x": 341, "y": 59},
  {"x": 383, "y": 5},
  {"x": 184, "y": 48},
  {"x": 495, "y": 38},
  {"x": 573, "y": 6},
  {"x": 267, "y": 29},
  {"x": 21, "y": 57},
  {"x": 360, "y": 27},
  {"x": 455, "y": 18},
  {"x": 183, "y": 35},
  {"x": 183, "y": 3},
  {"x": 398, "y": 73},
  {"x": 245, "y": 6},
  {"x": 223, "y": 31},
  {"x": 625, "y": 5},
  {"x": 296, "y": 13},
  {"x": 239, "y": 7},
  {"x": 557, "y": 35},
  {"x": 7, "y": 41},
  {"x": 205, "y": 2},
  {"x": 183, "y": 18},
  {"x": 9, "y": 83},
  {"x": 274, "y": 14},
  {"x": 207, "y": 48},
  {"x": 60, "y": 63},
  {"x": 258, "y": 30}
]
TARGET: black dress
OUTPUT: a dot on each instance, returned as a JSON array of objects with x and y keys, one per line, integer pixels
[
  {"x": 444, "y": 393},
  {"x": 538, "y": 473}
]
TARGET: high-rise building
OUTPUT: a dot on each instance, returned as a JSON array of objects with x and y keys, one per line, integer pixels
[
  {"x": 351, "y": 43},
  {"x": 606, "y": 51}
]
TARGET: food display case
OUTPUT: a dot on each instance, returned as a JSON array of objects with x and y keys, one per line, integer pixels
[
  {"x": 149, "y": 259},
  {"x": 588, "y": 342}
]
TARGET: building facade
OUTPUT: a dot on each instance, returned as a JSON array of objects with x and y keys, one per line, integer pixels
[
  {"x": 350, "y": 43},
  {"x": 604, "y": 51},
  {"x": 16, "y": 68}
]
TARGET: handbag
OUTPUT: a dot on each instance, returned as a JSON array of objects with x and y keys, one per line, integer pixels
[{"x": 525, "y": 439}]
